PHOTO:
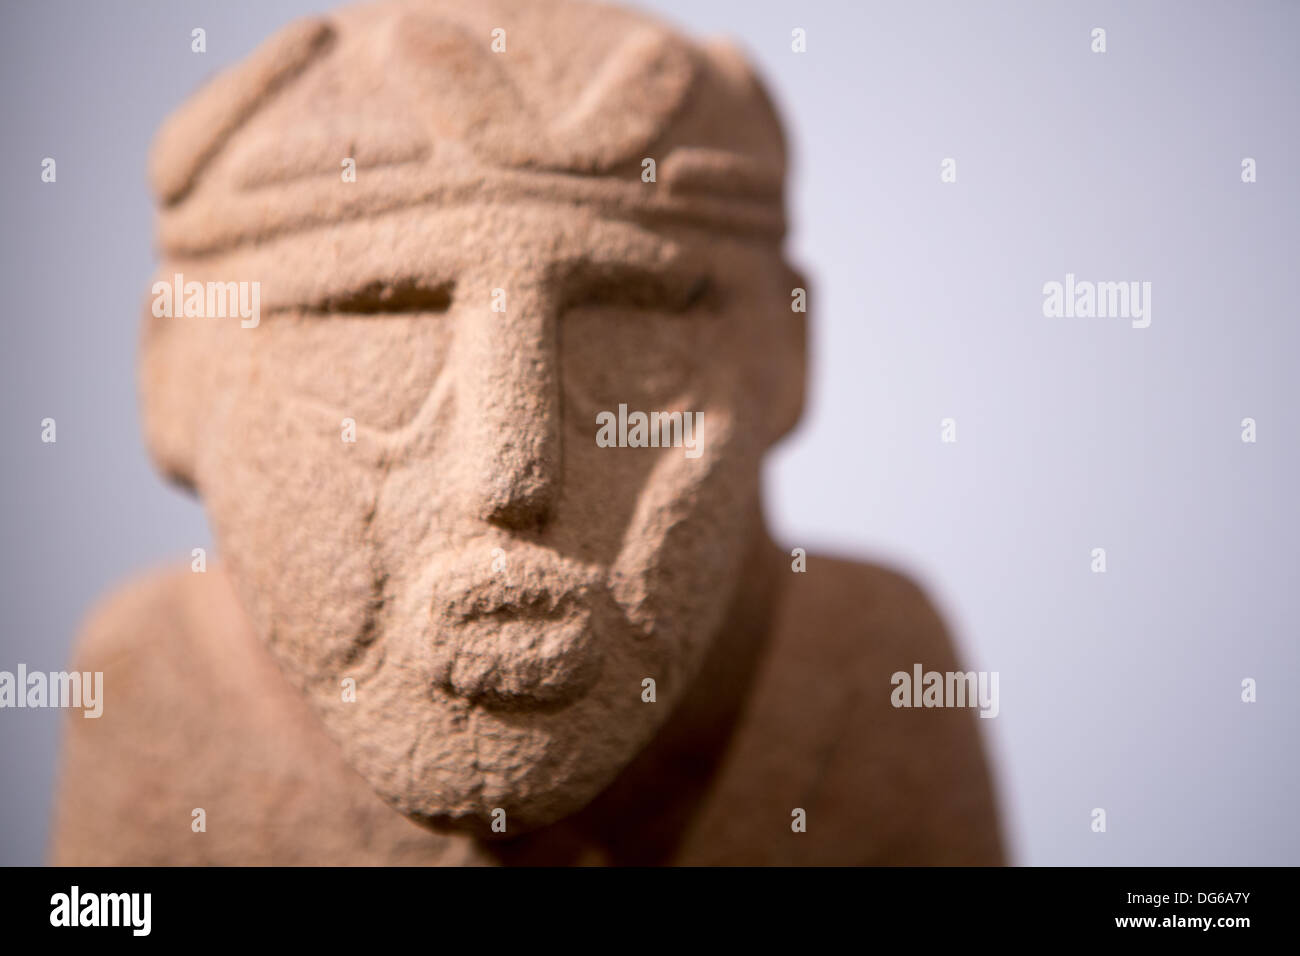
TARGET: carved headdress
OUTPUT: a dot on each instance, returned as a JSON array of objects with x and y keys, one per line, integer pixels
[{"x": 445, "y": 102}]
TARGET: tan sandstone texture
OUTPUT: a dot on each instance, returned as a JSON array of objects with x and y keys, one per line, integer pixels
[{"x": 445, "y": 627}]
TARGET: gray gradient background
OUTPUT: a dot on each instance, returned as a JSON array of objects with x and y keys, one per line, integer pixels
[{"x": 1118, "y": 690}]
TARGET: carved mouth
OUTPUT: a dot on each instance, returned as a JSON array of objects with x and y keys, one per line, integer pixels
[
  {"x": 503, "y": 599},
  {"x": 512, "y": 645}
]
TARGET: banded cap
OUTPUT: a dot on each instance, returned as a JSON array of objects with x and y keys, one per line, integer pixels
[{"x": 413, "y": 91}]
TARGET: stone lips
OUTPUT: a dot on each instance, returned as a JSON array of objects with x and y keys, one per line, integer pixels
[
  {"x": 415, "y": 95},
  {"x": 529, "y": 634}
]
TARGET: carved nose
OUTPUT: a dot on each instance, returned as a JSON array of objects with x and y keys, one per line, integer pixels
[
  {"x": 512, "y": 416},
  {"x": 521, "y": 491}
]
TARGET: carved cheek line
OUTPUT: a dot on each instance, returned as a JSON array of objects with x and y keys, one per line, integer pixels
[{"x": 673, "y": 483}]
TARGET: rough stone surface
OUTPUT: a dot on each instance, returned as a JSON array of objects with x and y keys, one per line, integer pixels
[{"x": 496, "y": 584}]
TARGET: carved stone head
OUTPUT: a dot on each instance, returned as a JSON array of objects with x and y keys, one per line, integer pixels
[{"x": 466, "y": 264}]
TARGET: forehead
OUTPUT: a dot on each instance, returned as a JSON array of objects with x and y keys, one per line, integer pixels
[{"x": 483, "y": 246}]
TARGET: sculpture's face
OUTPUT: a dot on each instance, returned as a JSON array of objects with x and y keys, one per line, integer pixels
[{"x": 496, "y": 583}]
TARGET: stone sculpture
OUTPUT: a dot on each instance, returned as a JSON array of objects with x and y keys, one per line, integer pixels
[{"x": 448, "y": 625}]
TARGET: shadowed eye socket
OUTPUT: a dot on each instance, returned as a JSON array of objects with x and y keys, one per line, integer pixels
[
  {"x": 623, "y": 340},
  {"x": 638, "y": 289},
  {"x": 700, "y": 293},
  {"x": 401, "y": 297}
]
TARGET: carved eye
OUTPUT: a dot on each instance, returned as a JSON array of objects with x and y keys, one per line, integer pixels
[
  {"x": 403, "y": 297},
  {"x": 374, "y": 350},
  {"x": 700, "y": 292},
  {"x": 633, "y": 289}
]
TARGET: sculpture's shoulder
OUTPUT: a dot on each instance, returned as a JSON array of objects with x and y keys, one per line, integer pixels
[
  {"x": 877, "y": 784},
  {"x": 849, "y": 601},
  {"x": 132, "y": 617},
  {"x": 137, "y": 638},
  {"x": 196, "y": 717},
  {"x": 160, "y": 639}
]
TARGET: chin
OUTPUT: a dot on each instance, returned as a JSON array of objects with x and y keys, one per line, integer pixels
[
  {"x": 537, "y": 772},
  {"x": 454, "y": 763}
]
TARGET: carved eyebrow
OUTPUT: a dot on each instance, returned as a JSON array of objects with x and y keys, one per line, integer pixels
[
  {"x": 401, "y": 296},
  {"x": 675, "y": 289}
]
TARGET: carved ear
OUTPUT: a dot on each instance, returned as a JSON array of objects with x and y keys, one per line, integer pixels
[
  {"x": 171, "y": 388},
  {"x": 787, "y": 365}
]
